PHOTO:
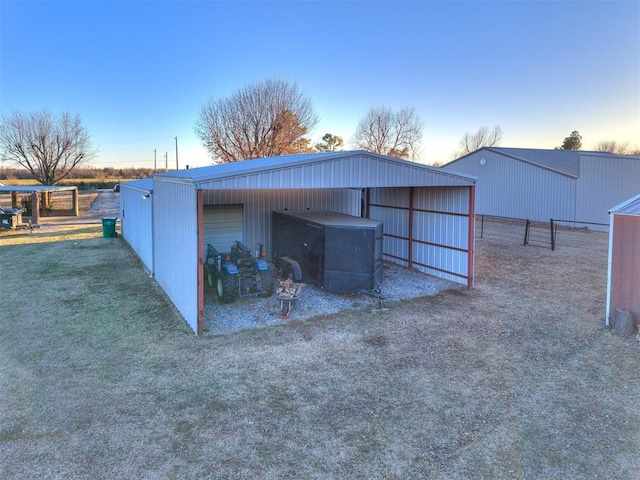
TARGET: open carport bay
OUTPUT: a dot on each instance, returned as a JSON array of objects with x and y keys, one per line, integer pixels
[
  {"x": 254, "y": 312},
  {"x": 516, "y": 378}
]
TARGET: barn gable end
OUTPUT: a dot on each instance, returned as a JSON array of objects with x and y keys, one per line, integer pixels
[{"x": 576, "y": 187}]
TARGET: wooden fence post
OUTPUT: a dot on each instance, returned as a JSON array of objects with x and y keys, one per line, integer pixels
[
  {"x": 35, "y": 208},
  {"x": 76, "y": 207}
]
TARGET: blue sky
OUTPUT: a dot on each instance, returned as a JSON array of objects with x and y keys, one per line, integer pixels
[{"x": 138, "y": 72}]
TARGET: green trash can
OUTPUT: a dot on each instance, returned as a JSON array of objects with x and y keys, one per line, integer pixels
[{"x": 109, "y": 227}]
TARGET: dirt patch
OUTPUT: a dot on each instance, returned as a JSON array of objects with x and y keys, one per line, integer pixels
[{"x": 516, "y": 378}]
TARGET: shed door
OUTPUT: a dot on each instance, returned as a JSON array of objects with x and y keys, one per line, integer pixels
[{"x": 222, "y": 226}]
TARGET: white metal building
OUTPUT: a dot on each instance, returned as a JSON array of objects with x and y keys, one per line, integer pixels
[
  {"x": 574, "y": 186},
  {"x": 428, "y": 213},
  {"x": 136, "y": 204}
]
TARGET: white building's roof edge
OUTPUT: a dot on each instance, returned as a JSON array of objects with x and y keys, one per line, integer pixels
[{"x": 229, "y": 170}]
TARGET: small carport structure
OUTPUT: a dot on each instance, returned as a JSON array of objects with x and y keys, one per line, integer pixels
[
  {"x": 623, "y": 279},
  {"x": 36, "y": 191},
  {"x": 427, "y": 213}
]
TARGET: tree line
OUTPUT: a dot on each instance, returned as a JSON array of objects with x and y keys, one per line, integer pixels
[
  {"x": 269, "y": 118},
  {"x": 84, "y": 173}
]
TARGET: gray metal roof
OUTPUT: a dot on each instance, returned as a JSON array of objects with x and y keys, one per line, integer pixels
[
  {"x": 145, "y": 184},
  {"x": 628, "y": 207},
  {"x": 566, "y": 162},
  {"x": 357, "y": 168}
]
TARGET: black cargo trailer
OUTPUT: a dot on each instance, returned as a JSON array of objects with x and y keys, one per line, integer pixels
[{"x": 340, "y": 253}]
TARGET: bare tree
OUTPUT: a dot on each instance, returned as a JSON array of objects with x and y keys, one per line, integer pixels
[
  {"x": 49, "y": 147},
  {"x": 397, "y": 134},
  {"x": 259, "y": 120},
  {"x": 484, "y": 137},
  {"x": 612, "y": 146}
]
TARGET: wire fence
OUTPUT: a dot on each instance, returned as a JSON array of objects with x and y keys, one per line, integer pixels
[{"x": 553, "y": 234}]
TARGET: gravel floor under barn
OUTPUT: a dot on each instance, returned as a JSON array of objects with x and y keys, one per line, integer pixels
[{"x": 252, "y": 312}]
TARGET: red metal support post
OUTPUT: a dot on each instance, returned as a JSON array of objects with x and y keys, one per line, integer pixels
[
  {"x": 472, "y": 227},
  {"x": 410, "y": 233}
]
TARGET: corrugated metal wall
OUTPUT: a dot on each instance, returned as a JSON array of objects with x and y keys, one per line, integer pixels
[
  {"x": 222, "y": 225},
  {"x": 137, "y": 223},
  {"x": 603, "y": 184},
  {"x": 426, "y": 228},
  {"x": 391, "y": 207},
  {"x": 356, "y": 171},
  {"x": 176, "y": 247},
  {"x": 258, "y": 205},
  {"x": 511, "y": 188}
]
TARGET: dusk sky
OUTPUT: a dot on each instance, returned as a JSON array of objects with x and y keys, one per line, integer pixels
[{"x": 138, "y": 72}]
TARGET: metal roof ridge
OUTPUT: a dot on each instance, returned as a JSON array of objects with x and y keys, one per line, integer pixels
[
  {"x": 267, "y": 164},
  {"x": 533, "y": 162}
]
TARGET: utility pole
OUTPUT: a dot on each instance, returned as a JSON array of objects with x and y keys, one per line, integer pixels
[
  {"x": 155, "y": 169},
  {"x": 177, "y": 154},
  {"x": 166, "y": 161}
]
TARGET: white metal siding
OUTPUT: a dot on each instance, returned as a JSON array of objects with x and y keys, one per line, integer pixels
[
  {"x": 222, "y": 226},
  {"x": 357, "y": 171},
  {"x": 176, "y": 248},
  {"x": 391, "y": 207},
  {"x": 258, "y": 205},
  {"x": 512, "y": 188},
  {"x": 440, "y": 228},
  {"x": 136, "y": 220},
  {"x": 604, "y": 183}
]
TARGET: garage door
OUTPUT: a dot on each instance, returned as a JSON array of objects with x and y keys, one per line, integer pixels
[{"x": 222, "y": 226}]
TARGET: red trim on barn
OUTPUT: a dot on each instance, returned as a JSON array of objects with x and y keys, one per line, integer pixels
[{"x": 472, "y": 228}]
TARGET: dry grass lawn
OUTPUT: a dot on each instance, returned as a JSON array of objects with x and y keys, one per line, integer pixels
[{"x": 514, "y": 379}]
